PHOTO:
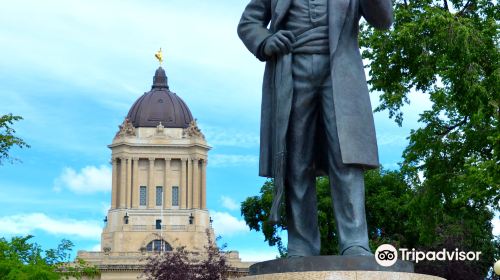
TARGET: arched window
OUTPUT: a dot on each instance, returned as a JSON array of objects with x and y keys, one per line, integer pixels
[{"x": 158, "y": 245}]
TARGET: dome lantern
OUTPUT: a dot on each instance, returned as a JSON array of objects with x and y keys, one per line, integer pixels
[{"x": 160, "y": 105}]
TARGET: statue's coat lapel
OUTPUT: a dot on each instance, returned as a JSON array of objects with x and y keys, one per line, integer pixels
[{"x": 280, "y": 9}]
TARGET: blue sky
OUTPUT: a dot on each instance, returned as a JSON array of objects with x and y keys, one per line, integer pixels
[{"x": 72, "y": 69}]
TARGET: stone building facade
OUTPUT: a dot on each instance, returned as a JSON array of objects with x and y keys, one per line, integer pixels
[{"x": 158, "y": 201}]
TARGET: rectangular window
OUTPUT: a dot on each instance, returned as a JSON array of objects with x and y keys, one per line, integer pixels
[
  {"x": 175, "y": 196},
  {"x": 142, "y": 196},
  {"x": 159, "y": 196},
  {"x": 158, "y": 224}
]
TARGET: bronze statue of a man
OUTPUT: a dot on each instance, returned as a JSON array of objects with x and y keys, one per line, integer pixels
[{"x": 316, "y": 113}]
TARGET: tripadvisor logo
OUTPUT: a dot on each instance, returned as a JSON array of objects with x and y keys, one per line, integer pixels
[{"x": 387, "y": 255}]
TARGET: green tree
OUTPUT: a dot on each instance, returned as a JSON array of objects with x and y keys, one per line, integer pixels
[
  {"x": 447, "y": 50},
  {"x": 388, "y": 208},
  {"x": 8, "y": 138},
  {"x": 21, "y": 259},
  {"x": 255, "y": 210}
]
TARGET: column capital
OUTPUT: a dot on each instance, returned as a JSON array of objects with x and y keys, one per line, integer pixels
[
  {"x": 167, "y": 159},
  {"x": 151, "y": 159},
  {"x": 135, "y": 158}
]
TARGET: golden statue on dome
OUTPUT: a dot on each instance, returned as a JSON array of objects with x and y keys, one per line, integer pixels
[{"x": 159, "y": 56}]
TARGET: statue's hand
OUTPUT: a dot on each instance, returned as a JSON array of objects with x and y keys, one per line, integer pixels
[{"x": 279, "y": 43}]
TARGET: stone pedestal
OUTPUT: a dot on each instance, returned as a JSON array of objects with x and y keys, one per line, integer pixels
[{"x": 333, "y": 268}]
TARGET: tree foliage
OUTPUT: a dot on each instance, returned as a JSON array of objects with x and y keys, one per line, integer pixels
[
  {"x": 8, "y": 138},
  {"x": 180, "y": 264},
  {"x": 447, "y": 50},
  {"x": 21, "y": 259}
]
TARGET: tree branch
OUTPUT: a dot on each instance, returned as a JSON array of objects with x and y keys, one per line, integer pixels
[
  {"x": 464, "y": 9},
  {"x": 445, "y": 3},
  {"x": 449, "y": 129}
]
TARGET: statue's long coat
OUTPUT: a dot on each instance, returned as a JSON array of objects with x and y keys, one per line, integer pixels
[{"x": 353, "y": 112}]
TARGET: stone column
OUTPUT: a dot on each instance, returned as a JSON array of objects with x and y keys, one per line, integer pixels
[
  {"x": 135, "y": 183},
  {"x": 204, "y": 184},
  {"x": 183, "y": 186},
  {"x": 128, "y": 201},
  {"x": 114, "y": 183},
  {"x": 167, "y": 188},
  {"x": 196, "y": 183},
  {"x": 123, "y": 182},
  {"x": 189, "y": 188},
  {"x": 151, "y": 184}
]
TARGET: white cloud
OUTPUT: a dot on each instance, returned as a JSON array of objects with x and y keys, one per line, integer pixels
[
  {"x": 89, "y": 179},
  {"x": 232, "y": 160},
  {"x": 257, "y": 256},
  {"x": 392, "y": 139},
  {"x": 96, "y": 248},
  {"x": 226, "y": 225},
  {"x": 229, "y": 203},
  {"x": 224, "y": 137},
  {"x": 24, "y": 224},
  {"x": 86, "y": 28}
]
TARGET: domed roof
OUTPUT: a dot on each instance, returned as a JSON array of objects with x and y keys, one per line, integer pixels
[{"x": 160, "y": 105}]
